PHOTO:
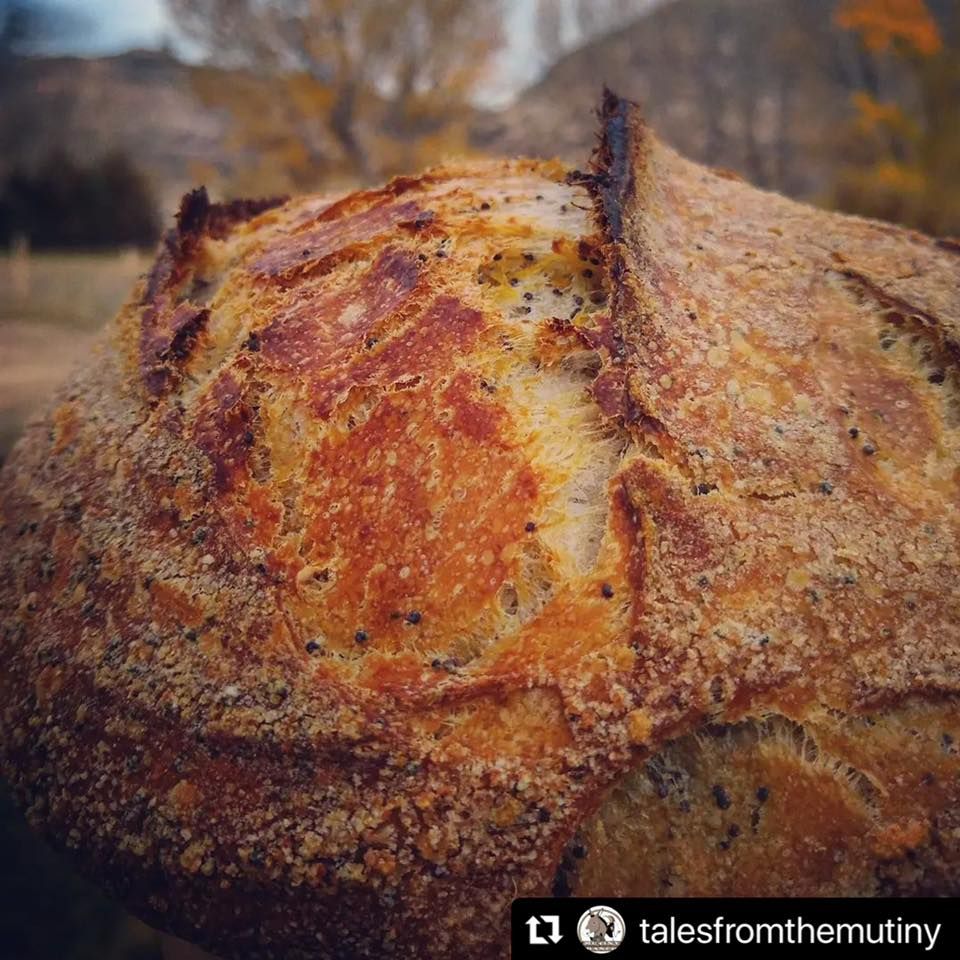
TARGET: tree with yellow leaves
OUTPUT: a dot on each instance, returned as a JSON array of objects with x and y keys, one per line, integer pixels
[
  {"x": 903, "y": 154},
  {"x": 884, "y": 23},
  {"x": 344, "y": 89}
]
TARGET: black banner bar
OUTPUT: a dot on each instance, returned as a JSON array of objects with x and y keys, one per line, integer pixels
[{"x": 553, "y": 929}]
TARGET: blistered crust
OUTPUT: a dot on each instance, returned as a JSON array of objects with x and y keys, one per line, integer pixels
[{"x": 401, "y": 554}]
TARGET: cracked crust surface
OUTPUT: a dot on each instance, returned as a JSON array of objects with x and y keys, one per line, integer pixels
[{"x": 496, "y": 532}]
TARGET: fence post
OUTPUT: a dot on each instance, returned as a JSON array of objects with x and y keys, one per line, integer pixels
[{"x": 20, "y": 266}]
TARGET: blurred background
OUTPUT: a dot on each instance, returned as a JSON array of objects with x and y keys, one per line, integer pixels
[{"x": 111, "y": 109}]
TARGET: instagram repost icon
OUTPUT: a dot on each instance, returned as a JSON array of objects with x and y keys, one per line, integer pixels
[{"x": 601, "y": 929}]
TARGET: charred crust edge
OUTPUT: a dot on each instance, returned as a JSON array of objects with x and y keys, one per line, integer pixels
[
  {"x": 198, "y": 218},
  {"x": 620, "y": 153},
  {"x": 950, "y": 244},
  {"x": 611, "y": 180},
  {"x": 612, "y": 160}
]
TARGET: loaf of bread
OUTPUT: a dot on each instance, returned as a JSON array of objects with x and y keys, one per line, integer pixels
[{"x": 505, "y": 530}]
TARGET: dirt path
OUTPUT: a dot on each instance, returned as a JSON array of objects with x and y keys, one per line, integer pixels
[{"x": 50, "y": 308}]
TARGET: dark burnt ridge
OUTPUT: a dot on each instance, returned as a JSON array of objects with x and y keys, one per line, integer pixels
[
  {"x": 170, "y": 322},
  {"x": 612, "y": 161},
  {"x": 612, "y": 187},
  {"x": 198, "y": 218},
  {"x": 611, "y": 177}
]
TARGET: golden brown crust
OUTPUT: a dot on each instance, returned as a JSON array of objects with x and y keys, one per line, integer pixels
[
  {"x": 377, "y": 560},
  {"x": 793, "y": 376}
]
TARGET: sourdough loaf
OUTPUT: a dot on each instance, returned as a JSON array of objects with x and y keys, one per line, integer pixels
[{"x": 505, "y": 530}]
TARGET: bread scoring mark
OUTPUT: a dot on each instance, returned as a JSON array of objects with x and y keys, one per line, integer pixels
[
  {"x": 416, "y": 352},
  {"x": 628, "y": 526},
  {"x": 738, "y": 401},
  {"x": 610, "y": 392},
  {"x": 170, "y": 319},
  {"x": 197, "y": 219},
  {"x": 332, "y": 233},
  {"x": 376, "y": 336},
  {"x": 614, "y": 165},
  {"x": 361, "y": 200},
  {"x": 914, "y": 337},
  {"x": 222, "y": 429},
  {"x": 733, "y": 785},
  {"x": 551, "y": 292},
  {"x": 318, "y": 334},
  {"x": 736, "y": 785},
  {"x": 167, "y": 338},
  {"x": 746, "y": 387}
]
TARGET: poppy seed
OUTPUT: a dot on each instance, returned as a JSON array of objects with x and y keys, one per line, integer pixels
[{"x": 721, "y": 797}]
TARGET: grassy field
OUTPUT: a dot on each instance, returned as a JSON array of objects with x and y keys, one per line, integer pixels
[{"x": 50, "y": 306}]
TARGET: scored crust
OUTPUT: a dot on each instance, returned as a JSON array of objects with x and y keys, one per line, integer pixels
[{"x": 500, "y": 531}]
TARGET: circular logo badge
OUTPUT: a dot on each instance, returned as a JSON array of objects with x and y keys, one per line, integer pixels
[{"x": 601, "y": 929}]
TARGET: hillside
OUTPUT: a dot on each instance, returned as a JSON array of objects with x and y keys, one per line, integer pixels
[
  {"x": 757, "y": 86},
  {"x": 762, "y": 87},
  {"x": 139, "y": 102}
]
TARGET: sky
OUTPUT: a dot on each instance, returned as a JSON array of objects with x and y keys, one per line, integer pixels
[{"x": 108, "y": 26}]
